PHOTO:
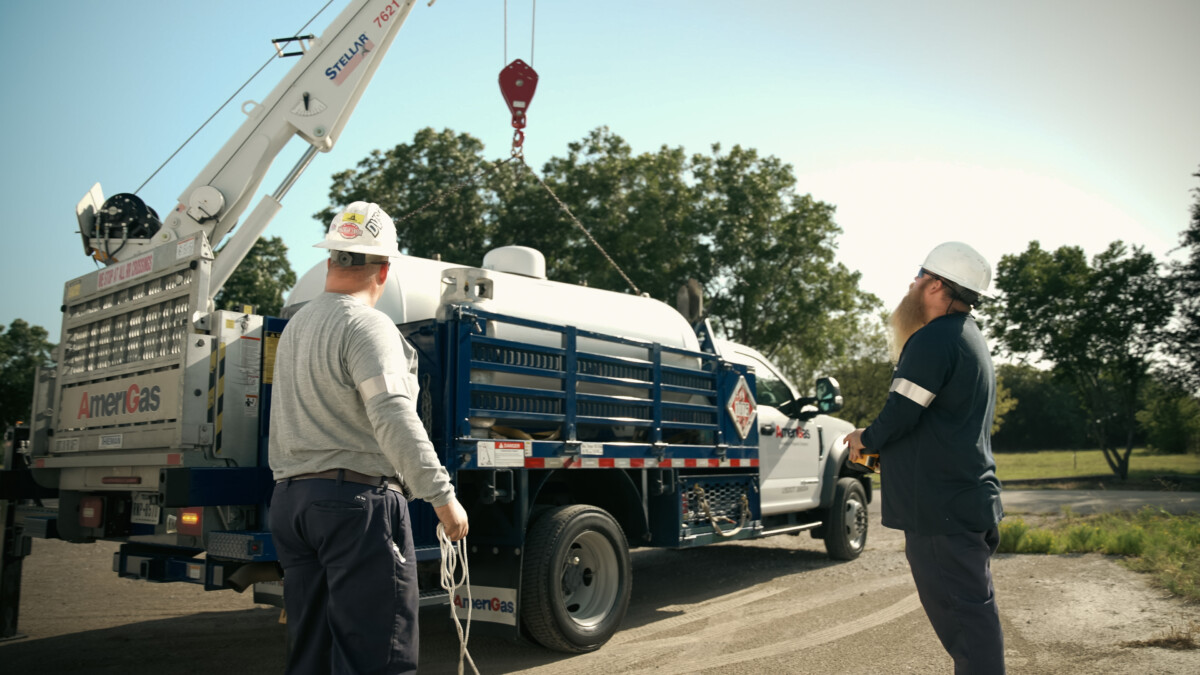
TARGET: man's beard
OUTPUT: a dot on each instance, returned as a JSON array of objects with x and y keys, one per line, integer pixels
[{"x": 906, "y": 319}]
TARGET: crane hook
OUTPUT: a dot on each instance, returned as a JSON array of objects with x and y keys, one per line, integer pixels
[{"x": 518, "y": 81}]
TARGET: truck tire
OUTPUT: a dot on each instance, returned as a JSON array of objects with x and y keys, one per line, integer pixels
[
  {"x": 576, "y": 578},
  {"x": 846, "y": 530}
]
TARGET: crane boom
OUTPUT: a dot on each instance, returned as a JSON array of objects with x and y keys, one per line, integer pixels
[{"x": 313, "y": 101}]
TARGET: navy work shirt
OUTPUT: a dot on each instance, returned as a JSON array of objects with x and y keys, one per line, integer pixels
[{"x": 934, "y": 434}]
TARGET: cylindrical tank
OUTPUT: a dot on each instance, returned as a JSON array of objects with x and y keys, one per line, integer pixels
[
  {"x": 419, "y": 289},
  {"x": 514, "y": 284}
]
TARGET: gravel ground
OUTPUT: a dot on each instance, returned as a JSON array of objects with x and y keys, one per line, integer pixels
[{"x": 777, "y": 605}]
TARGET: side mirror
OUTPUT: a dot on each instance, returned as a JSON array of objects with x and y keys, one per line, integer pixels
[{"x": 829, "y": 395}]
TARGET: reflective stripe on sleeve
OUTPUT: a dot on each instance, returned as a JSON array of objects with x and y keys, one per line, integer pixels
[
  {"x": 913, "y": 391},
  {"x": 387, "y": 383}
]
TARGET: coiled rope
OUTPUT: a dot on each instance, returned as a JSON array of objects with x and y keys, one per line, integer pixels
[{"x": 452, "y": 554}]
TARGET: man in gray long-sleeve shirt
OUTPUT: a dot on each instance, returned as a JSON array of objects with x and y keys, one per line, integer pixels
[{"x": 345, "y": 437}]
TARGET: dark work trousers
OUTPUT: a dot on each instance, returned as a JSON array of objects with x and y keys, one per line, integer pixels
[
  {"x": 349, "y": 577},
  {"x": 954, "y": 579}
]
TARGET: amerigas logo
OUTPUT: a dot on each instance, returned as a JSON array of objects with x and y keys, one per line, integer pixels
[
  {"x": 135, "y": 399},
  {"x": 498, "y": 605},
  {"x": 145, "y": 397}
]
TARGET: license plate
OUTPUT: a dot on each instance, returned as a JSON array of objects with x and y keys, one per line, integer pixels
[{"x": 146, "y": 511}]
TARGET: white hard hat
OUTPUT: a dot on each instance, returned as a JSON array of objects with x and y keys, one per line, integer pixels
[
  {"x": 961, "y": 264},
  {"x": 362, "y": 227}
]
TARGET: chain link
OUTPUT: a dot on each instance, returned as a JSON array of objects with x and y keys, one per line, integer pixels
[
  {"x": 517, "y": 156},
  {"x": 578, "y": 224},
  {"x": 443, "y": 195}
]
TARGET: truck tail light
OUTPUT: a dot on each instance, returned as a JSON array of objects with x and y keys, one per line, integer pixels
[
  {"x": 91, "y": 512},
  {"x": 191, "y": 521}
]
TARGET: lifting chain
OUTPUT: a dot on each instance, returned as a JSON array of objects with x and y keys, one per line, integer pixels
[
  {"x": 469, "y": 180},
  {"x": 562, "y": 205},
  {"x": 702, "y": 499}
]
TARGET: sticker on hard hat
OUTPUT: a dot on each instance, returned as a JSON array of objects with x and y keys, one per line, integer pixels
[
  {"x": 349, "y": 231},
  {"x": 372, "y": 226},
  {"x": 353, "y": 218}
]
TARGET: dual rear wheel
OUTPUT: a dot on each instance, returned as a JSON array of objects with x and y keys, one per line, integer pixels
[{"x": 576, "y": 579}]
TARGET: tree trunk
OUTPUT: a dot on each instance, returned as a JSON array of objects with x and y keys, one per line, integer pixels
[{"x": 1113, "y": 457}]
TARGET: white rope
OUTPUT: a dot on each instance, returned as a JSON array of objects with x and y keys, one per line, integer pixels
[{"x": 452, "y": 554}]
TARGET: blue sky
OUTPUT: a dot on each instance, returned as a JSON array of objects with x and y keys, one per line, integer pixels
[{"x": 1067, "y": 121}]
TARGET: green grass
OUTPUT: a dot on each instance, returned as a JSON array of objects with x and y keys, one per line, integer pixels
[
  {"x": 1144, "y": 468},
  {"x": 1069, "y": 464},
  {"x": 1153, "y": 541}
]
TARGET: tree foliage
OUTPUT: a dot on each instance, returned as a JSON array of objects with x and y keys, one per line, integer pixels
[
  {"x": 1171, "y": 418},
  {"x": 764, "y": 253},
  {"x": 1047, "y": 414},
  {"x": 411, "y": 175},
  {"x": 865, "y": 373},
  {"x": 1184, "y": 341},
  {"x": 1098, "y": 323},
  {"x": 23, "y": 349},
  {"x": 260, "y": 280}
]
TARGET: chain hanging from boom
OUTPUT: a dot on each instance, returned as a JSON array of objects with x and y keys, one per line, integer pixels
[{"x": 518, "y": 82}]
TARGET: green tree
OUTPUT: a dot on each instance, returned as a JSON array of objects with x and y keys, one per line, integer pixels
[
  {"x": 865, "y": 374},
  {"x": 261, "y": 280},
  {"x": 1047, "y": 415},
  {"x": 410, "y": 176},
  {"x": 1099, "y": 324},
  {"x": 1171, "y": 418},
  {"x": 733, "y": 220},
  {"x": 769, "y": 260},
  {"x": 1184, "y": 340},
  {"x": 640, "y": 208},
  {"x": 23, "y": 349}
]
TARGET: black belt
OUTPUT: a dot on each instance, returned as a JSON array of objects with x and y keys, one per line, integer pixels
[{"x": 351, "y": 476}]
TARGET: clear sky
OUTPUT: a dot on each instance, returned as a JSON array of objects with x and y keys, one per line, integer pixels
[{"x": 1066, "y": 121}]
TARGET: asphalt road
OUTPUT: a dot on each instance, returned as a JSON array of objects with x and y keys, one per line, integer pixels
[
  {"x": 1084, "y": 502},
  {"x": 777, "y": 605}
]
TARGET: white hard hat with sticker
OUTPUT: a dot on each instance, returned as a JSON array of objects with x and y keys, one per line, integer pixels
[{"x": 362, "y": 227}]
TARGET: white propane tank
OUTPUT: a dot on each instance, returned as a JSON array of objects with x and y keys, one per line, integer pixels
[
  {"x": 412, "y": 293},
  {"x": 513, "y": 282}
]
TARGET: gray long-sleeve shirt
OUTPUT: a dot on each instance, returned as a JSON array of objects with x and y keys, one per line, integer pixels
[{"x": 345, "y": 391}]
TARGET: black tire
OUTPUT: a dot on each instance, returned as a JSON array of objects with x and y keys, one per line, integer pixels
[
  {"x": 576, "y": 579},
  {"x": 846, "y": 530}
]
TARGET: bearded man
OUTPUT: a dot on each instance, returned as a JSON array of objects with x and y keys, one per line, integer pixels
[{"x": 933, "y": 438}]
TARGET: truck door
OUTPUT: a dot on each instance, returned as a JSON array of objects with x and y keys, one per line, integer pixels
[{"x": 789, "y": 449}]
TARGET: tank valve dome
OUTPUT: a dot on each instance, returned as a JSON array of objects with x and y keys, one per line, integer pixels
[{"x": 528, "y": 262}]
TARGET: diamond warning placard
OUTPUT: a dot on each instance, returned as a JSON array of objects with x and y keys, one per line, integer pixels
[{"x": 742, "y": 407}]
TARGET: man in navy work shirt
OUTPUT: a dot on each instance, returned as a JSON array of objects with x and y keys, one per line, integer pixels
[
  {"x": 344, "y": 434},
  {"x": 933, "y": 438}
]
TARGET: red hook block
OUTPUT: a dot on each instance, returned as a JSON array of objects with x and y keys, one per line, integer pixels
[{"x": 517, "y": 83}]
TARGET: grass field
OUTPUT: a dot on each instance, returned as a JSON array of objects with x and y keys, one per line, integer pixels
[
  {"x": 1153, "y": 541},
  {"x": 1071, "y": 463},
  {"x": 1060, "y": 468}
]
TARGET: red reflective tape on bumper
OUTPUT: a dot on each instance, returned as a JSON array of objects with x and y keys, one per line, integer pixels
[
  {"x": 606, "y": 462},
  {"x": 174, "y": 458},
  {"x": 689, "y": 463},
  {"x": 637, "y": 463},
  {"x": 754, "y": 462},
  {"x": 535, "y": 462}
]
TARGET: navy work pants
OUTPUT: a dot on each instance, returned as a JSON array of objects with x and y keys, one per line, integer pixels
[
  {"x": 954, "y": 579},
  {"x": 350, "y": 577}
]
